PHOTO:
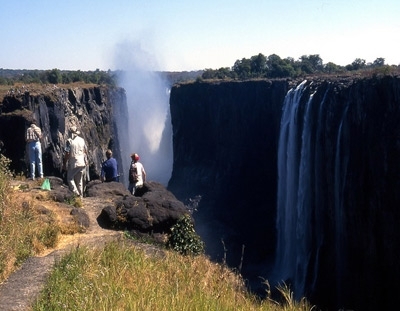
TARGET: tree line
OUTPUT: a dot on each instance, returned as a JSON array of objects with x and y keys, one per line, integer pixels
[
  {"x": 257, "y": 66},
  {"x": 273, "y": 66},
  {"x": 56, "y": 76}
]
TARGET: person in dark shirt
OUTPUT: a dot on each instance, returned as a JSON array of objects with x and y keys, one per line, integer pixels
[{"x": 109, "y": 168}]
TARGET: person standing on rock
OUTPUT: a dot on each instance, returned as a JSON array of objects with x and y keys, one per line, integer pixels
[
  {"x": 76, "y": 155},
  {"x": 33, "y": 136},
  {"x": 109, "y": 168},
  {"x": 137, "y": 174}
]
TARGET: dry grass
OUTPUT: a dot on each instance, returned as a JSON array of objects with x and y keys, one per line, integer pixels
[
  {"x": 31, "y": 223},
  {"x": 123, "y": 277},
  {"x": 26, "y": 230},
  {"x": 3, "y": 91}
]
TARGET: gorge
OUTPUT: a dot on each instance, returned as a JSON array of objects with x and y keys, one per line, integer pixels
[
  {"x": 304, "y": 175},
  {"x": 293, "y": 181}
]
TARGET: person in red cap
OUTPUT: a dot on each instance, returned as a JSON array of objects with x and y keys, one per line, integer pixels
[{"x": 137, "y": 174}]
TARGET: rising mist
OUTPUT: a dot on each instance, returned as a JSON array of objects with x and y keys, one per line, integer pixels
[{"x": 150, "y": 130}]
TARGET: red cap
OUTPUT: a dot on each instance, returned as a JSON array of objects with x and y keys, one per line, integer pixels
[{"x": 135, "y": 156}]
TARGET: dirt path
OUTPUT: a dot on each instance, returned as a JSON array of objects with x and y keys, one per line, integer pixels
[{"x": 23, "y": 286}]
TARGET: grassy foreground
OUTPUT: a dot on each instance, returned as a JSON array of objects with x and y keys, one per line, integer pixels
[{"x": 123, "y": 277}]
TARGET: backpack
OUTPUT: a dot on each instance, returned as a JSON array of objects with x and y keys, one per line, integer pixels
[{"x": 133, "y": 175}]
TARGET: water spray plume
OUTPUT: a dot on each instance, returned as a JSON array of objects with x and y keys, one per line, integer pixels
[{"x": 150, "y": 130}]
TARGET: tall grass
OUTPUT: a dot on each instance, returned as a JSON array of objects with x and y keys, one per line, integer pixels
[
  {"x": 123, "y": 277},
  {"x": 23, "y": 232}
]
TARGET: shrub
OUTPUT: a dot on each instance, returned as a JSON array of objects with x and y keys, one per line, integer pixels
[
  {"x": 184, "y": 239},
  {"x": 74, "y": 200}
]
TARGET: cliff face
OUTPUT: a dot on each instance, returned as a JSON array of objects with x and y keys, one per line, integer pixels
[
  {"x": 225, "y": 140},
  {"x": 92, "y": 110},
  {"x": 307, "y": 180}
]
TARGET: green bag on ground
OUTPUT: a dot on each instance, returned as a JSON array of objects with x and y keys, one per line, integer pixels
[{"x": 46, "y": 185}]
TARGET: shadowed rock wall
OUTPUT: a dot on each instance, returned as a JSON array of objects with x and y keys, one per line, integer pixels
[
  {"x": 225, "y": 142},
  {"x": 56, "y": 109}
]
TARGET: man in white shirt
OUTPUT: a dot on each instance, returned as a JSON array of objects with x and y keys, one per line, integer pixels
[
  {"x": 137, "y": 174},
  {"x": 75, "y": 154}
]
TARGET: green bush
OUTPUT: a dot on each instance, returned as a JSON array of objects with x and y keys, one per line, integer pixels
[{"x": 184, "y": 239}]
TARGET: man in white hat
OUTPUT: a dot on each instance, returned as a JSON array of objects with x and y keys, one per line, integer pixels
[{"x": 75, "y": 154}]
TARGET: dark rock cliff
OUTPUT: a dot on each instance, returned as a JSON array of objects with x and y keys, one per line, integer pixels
[
  {"x": 56, "y": 109},
  {"x": 330, "y": 228},
  {"x": 225, "y": 139}
]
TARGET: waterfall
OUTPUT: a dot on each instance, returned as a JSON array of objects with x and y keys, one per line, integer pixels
[
  {"x": 341, "y": 164},
  {"x": 288, "y": 178},
  {"x": 319, "y": 196},
  {"x": 302, "y": 181},
  {"x": 296, "y": 182},
  {"x": 304, "y": 200}
]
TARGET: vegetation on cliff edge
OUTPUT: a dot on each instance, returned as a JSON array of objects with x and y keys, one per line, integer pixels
[{"x": 275, "y": 67}]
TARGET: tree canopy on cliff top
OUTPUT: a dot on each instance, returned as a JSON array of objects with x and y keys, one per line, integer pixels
[{"x": 273, "y": 66}]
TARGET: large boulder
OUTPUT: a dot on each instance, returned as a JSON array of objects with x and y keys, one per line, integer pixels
[
  {"x": 109, "y": 190},
  {"x": 153, "y": 209}
]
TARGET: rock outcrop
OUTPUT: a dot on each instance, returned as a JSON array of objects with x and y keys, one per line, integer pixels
[
  {"x": 56, "y": 109},
  {"x": 153, "y": 209}
]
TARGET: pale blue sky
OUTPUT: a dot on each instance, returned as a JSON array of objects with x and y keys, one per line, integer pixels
[{"x": 178, "y": 35}]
